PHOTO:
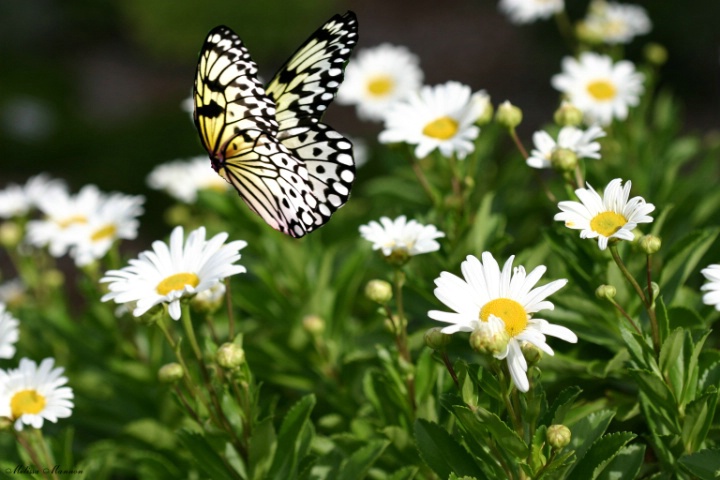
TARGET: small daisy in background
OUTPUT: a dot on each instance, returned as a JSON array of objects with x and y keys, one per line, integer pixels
[
  {"x": 712, "y": 275},
  {"x": 12, "y": 292},
  {"x": 182, "y": 268},
  {"x": 41, "y": 187},
  {"x": 612, "y": 215},
  {"x": 378, "y": 77},
  {"x": 441, "y": 117},
  {"x": 399, "y": 239},
  {"x": 182, "y": 179},
  {"x": 114, "y": 219},
  {"x": 64, "y": 213},
  {"x": 581, "y": 142},
  {"x": 601, "y": 89},
  {"x": 31, "y": 394},
  {"x": 613, "y": 23},
  {"x": 13, "y": 202},
  {"x": 489, "y": 298},
  {"x": 527, "y": 11},
  {"x": 9, "y": 333}
]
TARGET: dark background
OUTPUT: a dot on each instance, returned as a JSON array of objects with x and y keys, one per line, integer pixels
[{"x": 91, "y": 90}]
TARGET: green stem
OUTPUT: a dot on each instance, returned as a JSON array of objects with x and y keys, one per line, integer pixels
[
  {"x": 626, "y": 273},
  {"x": 20, "y": 437},
  {"x": 518, "y": 143},
  {"x": 190, "y": 331},
  {"x": 422, "y": 179},
  {"x": 231, "y": 317},
  {"x": 626, "y": 315},
  {"x": 448, "y": 365},
  {"x": 401, "y": 338},
  {"x": 44, "y": 449}
]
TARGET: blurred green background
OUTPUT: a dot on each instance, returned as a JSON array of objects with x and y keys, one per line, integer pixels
[{"x": 92, "y": 91}]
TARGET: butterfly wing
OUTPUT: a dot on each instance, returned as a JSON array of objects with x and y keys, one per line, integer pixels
[
  {"x": 237, "y": 126},
  {"x": 302, "y": 90}
]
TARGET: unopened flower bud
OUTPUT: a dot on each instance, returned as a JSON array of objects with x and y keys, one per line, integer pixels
[
  {"x": 558, "y": 436},
  {"x": 588, "y": 35},
  {"x": 313, "y": 324},
  {"x": 230, "y": 356},
  {"x": 178, "y": 215},
  {"x": 650, "y": 244},
  {"x": 170, "y": 373},
  {"x": 563, "y": 160},
  {"x": 396, "y": 322},
  {"x": 379, "y": 291},
  {"x": 606, "y": 291},
  {"x": 508, "y": 115},
  {"x": 53, "y": 278},
  {"x": 398, "y": 257},
  {"x": 489, "y": 341},
  {"x": 568, "y": 115},
  {"x": 435, "y": 339},
  {"x": 655, "y": 54},
  {"x": 10, "y": 235},
  {"x": 531, "y": 353},
  {"x": 210, "y": 300},
  {"x": 487, "y": 109}
]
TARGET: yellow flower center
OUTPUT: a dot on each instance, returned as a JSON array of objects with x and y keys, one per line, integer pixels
[
  {"x": 380, "y": 85},
  {"x": 510, "y": 311},
  {"x": 607, "y": 223},
  {"x": 108, "y": 231},
  {"x": 26, "y": 401},
  {"x": 602, "y": 90},
  {"x": 177, "y": 282},
  {"x": 66, "y": 222},
  {"x": 442, "y": 128}
]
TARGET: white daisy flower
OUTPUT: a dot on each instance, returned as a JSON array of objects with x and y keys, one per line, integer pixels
[
  {"x": 9, "y": 333},
  {"x": 486, "y": 295},
  {"x": 43, "y": 188},
  {"x": 441, "y": 117},
  {"x": 712, "y": 297},
  {"x": 172, "y": 271},
  {"x": 527, "y": 11},
  {"x": 114, "y": 219},
  {"x": 378, "y": 77},
  {"x": 580, "y": 142},
  {"x": 606, "y": 217},
  {"x": 31, "y": 394},
  {"x": 600, "y": 89},
  {"x": 615, "y": 22},
  {"x": 64, "y": 214},
  {"x": 13, "y": 202},
  {"x": 182, "y": 179},
  {"x": 400, "y": 236}
]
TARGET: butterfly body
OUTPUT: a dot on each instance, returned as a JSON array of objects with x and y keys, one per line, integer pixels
[{"x": 290, "y": 168}]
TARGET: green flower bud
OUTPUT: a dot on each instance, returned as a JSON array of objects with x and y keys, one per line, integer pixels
[
  {"x": 398, "y": 257},
  {"x": 531, "y": 353},
  {"x": 209, "y": 301},
  {"x": 230, "y": 356},
  {"x": 313, "y": 324},
  {"x": 178, "y": 215},
  {"x": 53, "y": 278},
  {"x": 392, "y": 324},
  {"x": 650, "y": 244},
  {"x": 568, "y": 115},
  {"x": 563, "y": 160},
  {"x": 508, "y": 115},
  {"x": 10, "y": 235},
  {"x": 435, "y": 339},
  {"x": 489, "y": 341},
  {"x": 606, "y": 291},
  {"x": 487, "y": 113},
  {"x": 558, "y": 436},
  {"x": 170, "y": 373},
  {"x": 588, "y": 35},
  {"x": 655, "y": 53},
  {"x": 379, "y": 291}
]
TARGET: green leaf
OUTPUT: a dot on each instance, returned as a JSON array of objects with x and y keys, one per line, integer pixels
[
  {"x": 704, "y": 464},
  {"x": 693, "y": 371},
  {"x": 262, "y": 448},
  {"x": 477, "y": 439},
  {"x": 672, "y": 361},
  {"x": 626, "y": 464},
  {"x": 537, "y": 456},
  {"x": 405, "y": 473},
  {"x": 656, "y": 390},
  {"x": 588, "y": 429},
  {"x": 599, "y": 455},
  {"x": 710, "y": 377},
  {"x": 358, "y": 464},
  {"x": 698, "y": 419},
  {"x": 442, "y": 453},
  {"x": 683, "y": 258},
  {"x": 206, "y": 459},
  {"x": 663, "y": 318},
  {"x": 499, "y": 430},
  {"x": 562, "y": 404},
  {"x": 285, "y": 462}
]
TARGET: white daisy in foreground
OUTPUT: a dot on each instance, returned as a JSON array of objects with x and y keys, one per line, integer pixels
[
  {"x": 31, "y": 394},
  {"x": 712, "y": 297},
  {"x": 114, "y": 219},
  {"x": 600, "y": 89},
  {"x": 527, "y": 11},
  {"x": 441, "y": 117},
  {"x": 170, "y": 272},
  {"x": 581, "y": 142},
  {"x": 64, "y": 214},
  {"x": 182, "y": 179},
  {"x": 606, "y": 217},
  {"x": 614, "y": 22},
  {"x": 401, "y": 238},
  {"x": 379, "y": 76},
  {"x": 9, "y": 333},
  {"x": 486, "y": 296}
]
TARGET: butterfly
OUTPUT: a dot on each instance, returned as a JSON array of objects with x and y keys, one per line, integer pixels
[{"x": 269, "y": 143}]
